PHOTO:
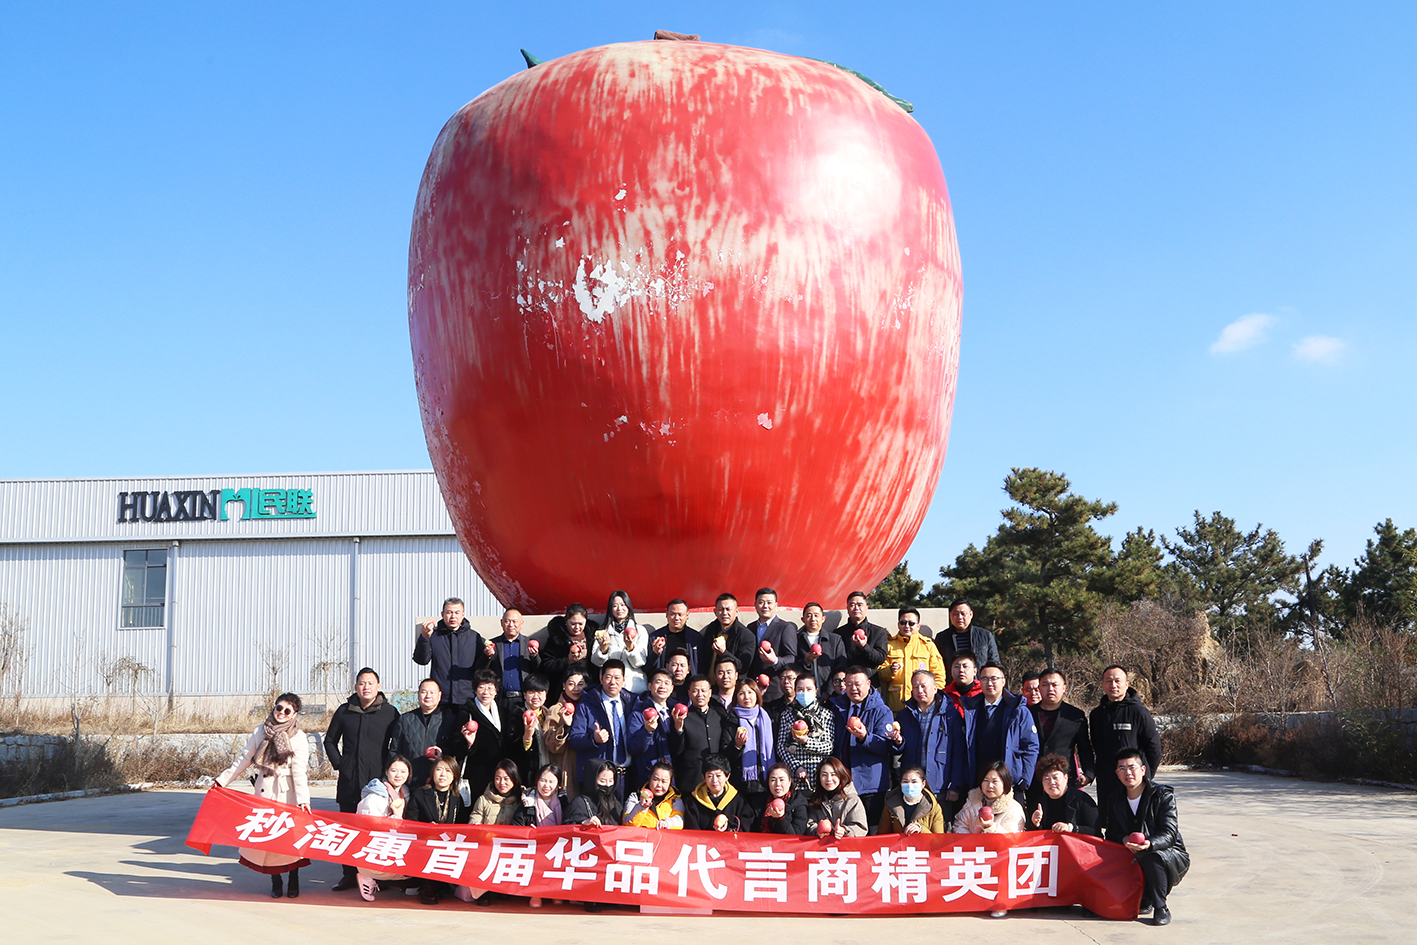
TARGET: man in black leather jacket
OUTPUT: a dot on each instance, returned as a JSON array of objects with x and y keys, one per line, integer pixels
[{"x": 1147, "y": 809}]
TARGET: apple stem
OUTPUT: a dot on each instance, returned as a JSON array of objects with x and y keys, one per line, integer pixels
[{"x": 533, "y": 61}]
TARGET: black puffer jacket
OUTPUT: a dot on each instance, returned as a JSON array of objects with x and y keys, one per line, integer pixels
[
  {"x": 1074, "y": 807},
  {"x": 1123, "y": 724},
  {"x": 1155, "y": 819},
  {"x": 357, "y": 744}
]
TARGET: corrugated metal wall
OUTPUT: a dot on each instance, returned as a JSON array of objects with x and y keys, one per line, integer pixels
[
  {"x": 402, "y": 579},
  {"x": 228, "y": 601}
]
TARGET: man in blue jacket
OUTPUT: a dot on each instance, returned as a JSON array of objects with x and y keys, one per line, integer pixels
[
  {"x": 1000, "y": 728},
  {"x": 863, "y": 740},
  {"x": 601, "y": 726},
  {"x": 930, "y": 735},
  {"x": 649, "y": 733}
]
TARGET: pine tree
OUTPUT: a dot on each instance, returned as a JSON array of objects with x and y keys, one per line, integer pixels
[
  {"x": 1383, "y": 583},
  {"x": 1233, "y": 576},
  {"x": 897, "y": 589},
  {"x": 1042, "y": 574}
]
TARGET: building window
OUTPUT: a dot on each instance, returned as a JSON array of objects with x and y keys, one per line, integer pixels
[{"x": 144, "y": 588}]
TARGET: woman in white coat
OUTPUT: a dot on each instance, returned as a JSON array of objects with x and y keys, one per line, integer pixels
[
  {"x": 624, "y": 640},
  {"x": 384, "y": 797},
  {"x": 278, "y": 751}
]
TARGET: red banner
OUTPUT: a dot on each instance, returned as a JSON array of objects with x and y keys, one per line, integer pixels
[{"x": 697, "y": 870}]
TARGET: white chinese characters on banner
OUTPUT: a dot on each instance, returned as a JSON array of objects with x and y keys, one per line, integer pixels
[
  {"x": 969, "y": 872},
  {"x": 573, "y": 861},
  {"x": 633, "y": 871},
  {"x": 512, "y": 861},
  {"x": 904, "y": 872},
  {"x": 448, "y": 856},
  {"x": 329, "y": 838},
  {"x": 831, "y": 872},
  {"x": 1033, "y": 871},
  {"x": 703, "y": 860},
  {"x": 386, "y": 848},
  {"x": 264, "y": 824},
  {"x": 765, "y": 874}
]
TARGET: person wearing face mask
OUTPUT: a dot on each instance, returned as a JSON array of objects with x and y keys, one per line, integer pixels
[
  {"x": 806, "y": 734},
  {"x": 599, "y": 804},
  {"x": 624, "y": 640},
  {"x": 912, "y": 808},
  {"x": 657, "y": 805}
]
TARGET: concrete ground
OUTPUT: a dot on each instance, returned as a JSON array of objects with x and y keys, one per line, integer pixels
[{"x": 1273, "y": 860}]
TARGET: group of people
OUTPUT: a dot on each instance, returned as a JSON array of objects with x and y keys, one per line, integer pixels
[{"x": 764, "y": 726}]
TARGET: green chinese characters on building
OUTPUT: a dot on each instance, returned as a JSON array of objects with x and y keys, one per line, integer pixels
[{"x": 270, "y": 503}]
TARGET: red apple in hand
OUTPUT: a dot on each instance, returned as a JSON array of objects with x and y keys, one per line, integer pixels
[
  {"x": 720, "y": 823},
  {"x": 471, "y": 727},
  {"x": 680, "y": 711},
  {"x": 569, "y": 710},
  {"x": 824, "y": 828},
  {"x": 589, "y": 224},
  {"x": 859, "y": 637},
  {"x": 800, "y": 726},
  {"x": 529, "y": 717},
  {"x": 815, "y": 650},
  {"x": 533, "y": 647},
  {"x": 764, "y": 680},
  {"x": 432, "y": 751},
  {"x": 776, "y": 807},
  {"x": 650, "y": 712},
  {"x": 986, "y": 814},
  {"x": 1136, "y": 837}
]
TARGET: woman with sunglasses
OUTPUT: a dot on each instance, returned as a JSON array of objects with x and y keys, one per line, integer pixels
[{"x": 277, "y": 750}]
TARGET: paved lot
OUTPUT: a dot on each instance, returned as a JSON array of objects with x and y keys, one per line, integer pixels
[{"x": 1274, "y": 860}]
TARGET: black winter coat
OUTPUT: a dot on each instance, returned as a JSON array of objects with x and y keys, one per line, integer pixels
[
  {"x": 556, "y": 662},
  {"x": 423, "y": 806},
  {"x": 1155, "y": 819},
  {"x": 1068, "y": 735},
  {"x": 585, "y": 806},
  {"x": 700, "y": 816},
  {"x": 705, "y": 733},
  {"x": 1074, "y": 807},
  {"x": 455, "y": 655},
  {"x": 357, "y": 744},
  {"x": 415, "y": 733},
  {"x": 871, "y": 656},
  {"x": 793, "y": 822},
  {"x": 1123, "y": 724}
]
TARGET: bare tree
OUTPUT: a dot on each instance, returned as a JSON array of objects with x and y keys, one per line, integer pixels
[
  {"x": 331, "y": 663},
  {"x": 14, "y": 657},
  {"x": 275, "y": 660}
]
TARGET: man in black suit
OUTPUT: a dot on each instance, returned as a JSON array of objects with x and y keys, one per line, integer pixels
[
  {"x": 864, "y": 642},
  {"x": 1062, "y": 729},
  {"x": 727, "y": 635},
  {"x": 821, "y": 653},
  {"x": 776, "y": 641},
  {"x": 676, "y": 634}
]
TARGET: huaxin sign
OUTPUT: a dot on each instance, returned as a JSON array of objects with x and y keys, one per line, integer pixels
[
  {"x": 193, "y": 506},
  {"x": 687, "y": 869}
]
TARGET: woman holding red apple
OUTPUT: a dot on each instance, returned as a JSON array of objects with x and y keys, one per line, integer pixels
[
  {"x": 783, "y": 810},
  {"x": 556, "y": 729},
  {"x": 835, "y": 810},
  {"x": 990, "y": 807},
  {"x": 624, "y": 640}
]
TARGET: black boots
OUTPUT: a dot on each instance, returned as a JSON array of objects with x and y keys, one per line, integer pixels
[
  {"x": 292, "y": 885},
  {"x": 276, "y": 891}
]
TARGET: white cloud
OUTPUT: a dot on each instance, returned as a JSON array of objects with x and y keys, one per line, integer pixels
[
  {"x": 1319, "y": 348},
  {"x": 1244, "y": 332}
]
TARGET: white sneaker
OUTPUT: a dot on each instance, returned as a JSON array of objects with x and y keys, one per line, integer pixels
[
  {"x": 998, "y": 913},
  {"x": 367, "y": 888}
]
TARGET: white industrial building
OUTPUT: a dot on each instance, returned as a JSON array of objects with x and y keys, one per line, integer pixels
[{"x": 195, "y": 585}]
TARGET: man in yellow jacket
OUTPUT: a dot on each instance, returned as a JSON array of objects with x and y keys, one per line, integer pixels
[{"x": 907, "y": 652}]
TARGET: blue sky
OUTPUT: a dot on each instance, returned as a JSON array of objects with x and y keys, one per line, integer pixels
[{"x": 1189, "y": 237}]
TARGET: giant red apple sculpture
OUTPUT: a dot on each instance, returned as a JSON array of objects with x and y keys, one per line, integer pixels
[{"x": 685, "y": 318}]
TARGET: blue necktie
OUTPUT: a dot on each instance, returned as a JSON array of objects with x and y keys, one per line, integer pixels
[{"x": 616, "y": 730}]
